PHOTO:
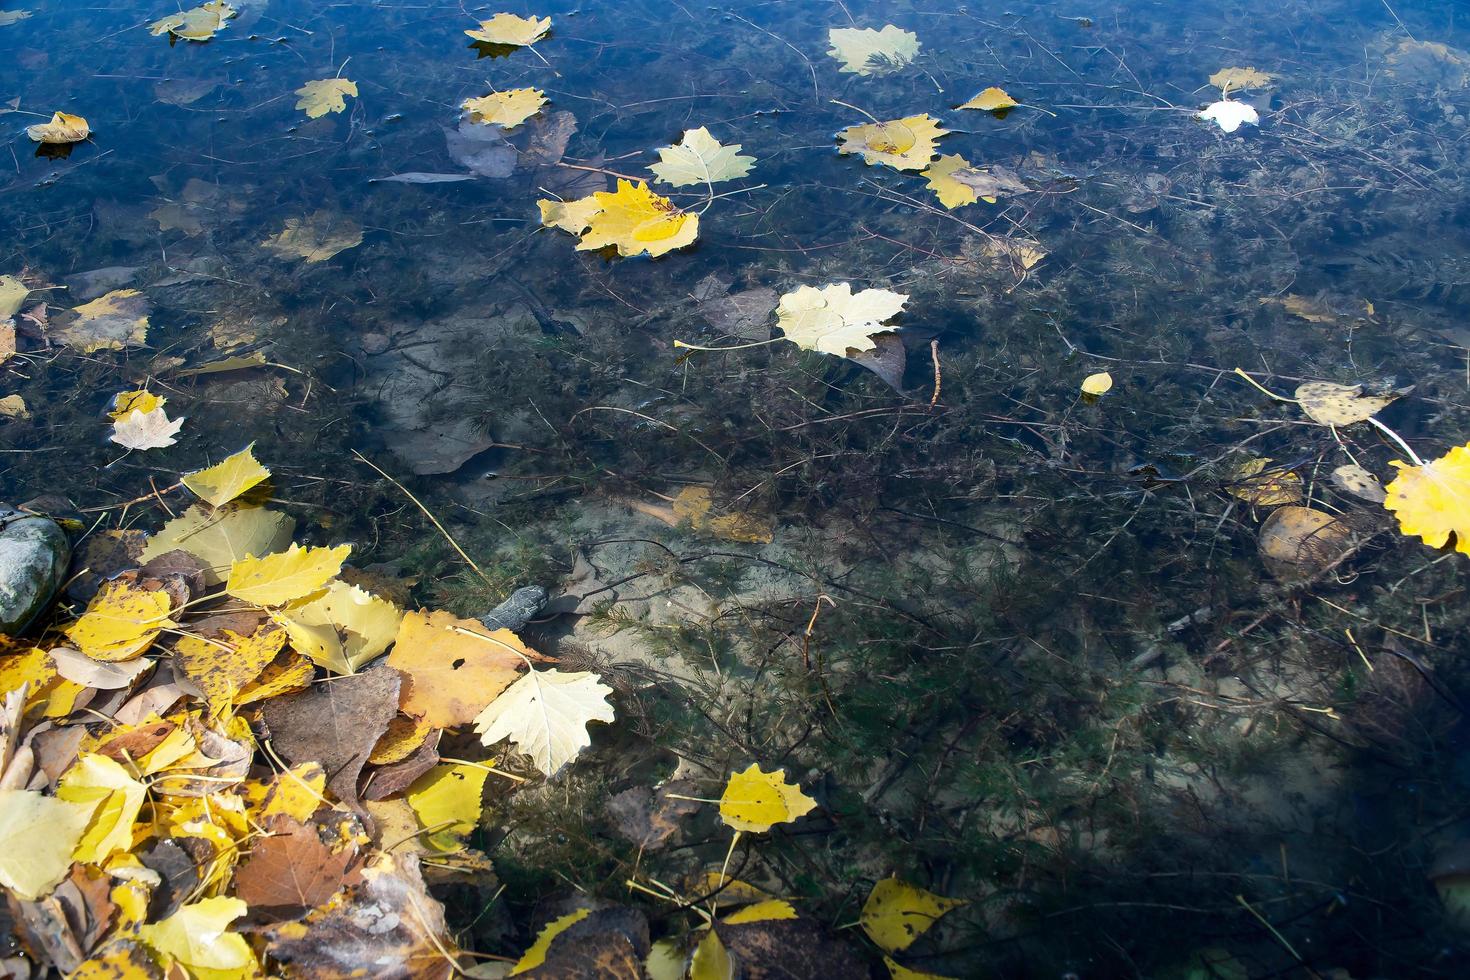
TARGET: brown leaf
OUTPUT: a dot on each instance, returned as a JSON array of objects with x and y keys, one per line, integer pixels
[
  {"x": 290, "y": 871},
  {"x": 395, "y": 776},
  {"x": 610, "y": 943},
  {"x": 336, "y": 723},
  {"x": 648, "y": 818},
  {"x": 787, "y": 949},
  {"x": 449, "y": 677}
]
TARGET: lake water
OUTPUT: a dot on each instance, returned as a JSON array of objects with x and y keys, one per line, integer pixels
[{"x": 1052, "y": 673}]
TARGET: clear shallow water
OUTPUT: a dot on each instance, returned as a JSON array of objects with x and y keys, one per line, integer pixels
[{"x": 1006, "y": 706}]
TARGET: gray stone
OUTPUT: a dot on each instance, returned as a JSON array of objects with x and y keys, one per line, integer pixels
[
  {"x": 515, "y": 612},
  {"x": 34, "y": 554}
]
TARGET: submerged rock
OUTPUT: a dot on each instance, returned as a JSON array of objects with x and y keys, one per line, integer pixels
[
  {"x": 34, "y": 553},
  {"x": 515, "y": 612}
]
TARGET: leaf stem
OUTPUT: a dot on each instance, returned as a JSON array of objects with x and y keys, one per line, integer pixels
[
  {"x": 1398, "y": 439},
  {"x": 758, "y": 343}
]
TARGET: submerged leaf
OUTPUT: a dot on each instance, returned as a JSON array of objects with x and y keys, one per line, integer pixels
[
  {"x": 316, "y": 238},
  {"x": 325, "y": 95},
  {"x": 865, "y": 51},
  {"x": 1327, "y": 403},
  {"x": 1240, "y": 78},
  {"x": 699, "y": 158},
  {"x": 112, "y": 322},
  {"x": 903, "y": 144},
  {"x": 1432, "y": 501},
  {"x": 896, "y": 913},
  {"x": 756, "y": 801}
]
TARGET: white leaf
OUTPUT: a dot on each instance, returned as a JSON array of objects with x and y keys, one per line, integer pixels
[
  {"x": 1229, "y": 114},
  {"x": 146, "y": 430},
  {"x": 869, "y": 52},
  {"x": 699, "y": 158},
  {"x": 545, "y": 713}
]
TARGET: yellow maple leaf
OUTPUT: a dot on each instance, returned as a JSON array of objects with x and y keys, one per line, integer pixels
[
  {"x": 992, "y": 99},
  {"x": 756, "y": 801},
  {"x": 224, "y": 481},
  {"x": 506, "y": 109},
  {"x": 325, "y": 95},
  {"x": 274, "y": 580},
  {"x": 121, "y": 621},
  {"x": 63, "y": 128},
  {"x": 197, "y": 24},
  {"x": 1432, "y": 501},
  {"x": 951, "y": 192},
  {"x": 834, "y": 319},
  {"x": 864, "y": 51},
  {"x": 637, "y": 220},
  {"x": 124, "y": 402},
  {"x": 316, "y": 238},
  {"x": 447, "y": 801},
  {"x": 572, "y": 216},
  {"x": 511, "y": 29},
  {"x": 896, "y": 913},
  {"x": 903, "y": 144}
]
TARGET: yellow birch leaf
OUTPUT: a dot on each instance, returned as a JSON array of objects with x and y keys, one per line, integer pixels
[
  {"x": 952, "y": 194},
  {"x": 63, "y": 128},
  {"x": 227, "y": 479},
  {"x": 756, "y": 801},
  {"x": 404, "y": 734},
  {"x": 1097, "y": 384},
  {"x": 124, "y": 403},
  {"x": 536, "y": 954},
  {"x": 572, "y": 216},
  {"x": 761, "y": 912},
  {"x": 38, "y": 835},
  {"x": 115, "y": 321},
  {"x": 896, "y": 913},
  {"x": 197, "y": 937},
  {"x": 1432, "y": 501},
  {"x": 903, "y": 144},
  {"x": 511, "y": 29},
  {"x": 711, "y": 961},
  {"x": 285, "y": 576},
  {"x": 325, "y": 95},
  {"x": 447, "y": 802},
  {"x": 120, "y": 959},
  {"x": 637, "y": 220},
  {"x": 115, "y": 798},
  {"x": 221, "y": 668},
  {"x": 1327, "y": 403},
  {"x": 221, "y": 536},
  {"x": 341, "y": 629},
  {"x": 992, "y": 99},
  {"x": 288, "y": 673},
  {"x": 506, "y": 109},
  {"x": 13, "y": 295},
  {"x": 121, "y": 621}
]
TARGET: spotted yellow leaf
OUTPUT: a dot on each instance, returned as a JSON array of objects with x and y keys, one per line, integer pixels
[
  {"x": 510, "y": 29},
  {"x": 896, "y": 913},
  {"x": 121, "y": 621},
  {"x": 1432, "y": 501},
  {"x": 1327, "y": 403},
  {"x": 903, "y": 144},
  {"x": 223, "y": 666},
  {"x": 63, "y": 128},
  {"x": 447, "y": 801},
  {"x": 637, "y": 220},
  {"x": 325, "y": 95},
  {"x": 506, "y": 109},
  {"x": 285, "y": 576},
  {"x": 224, "y": 481},
  {"x": 756, "y": 801}
]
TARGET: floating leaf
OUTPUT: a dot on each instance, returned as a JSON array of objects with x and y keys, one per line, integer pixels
[
  {"x": 834, "y": 320},
  {"x": 865, "y": 51},
  {"x": 198, "y": 24},
  {"x": 8, "y": 17},
  {"x": 1230, "y": 115},
  {"x": 511, "y": 29},
  {"x": 227, "y": 479},
  {"x": 274, "y": 580},
  {"x": 573, "y": 216},
  {"x": 111, "y": 322},
  {"x": 197, "y": 938},
  {"x": 506, "y": 109},
  {"x": 316, "y": 238},
  {"x": 449, "y": 676},
  {"x": 325, "y": 95},
  {"x": 121, "y": 621},
  {"x": 699, "y": 158},
  {"x": 756, "y": 801},
  {"x": 1097, "y": 384},
  {"x": 13, "y": 295},
  {"x": 1259, "y": 487},
  {"x": 342, "y": 629},
  {"x": 546, "y": 714},
  {"x": 904, "y": 144},
  {"x": 637, "y": 220},
  {"x": 146, "y": 430},
  {"x": 124, "y": 403},
  {"x": 63, "y": 128},
  {"x": 38, "y": 835},
  {"x": 447, "y": 801},
  {"x": 221, "y": 536},
  {"x": 1333, "y": 404},
  {"x": 1432, "y": 500},
  {"x": 1241, "y": 78},
  {"x": 896, "y": 913},
  {"x": 992, "y": 99}
]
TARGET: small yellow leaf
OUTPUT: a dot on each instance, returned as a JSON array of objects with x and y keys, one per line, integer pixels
[
  {"x": 227, "y": 479},
  {"x": 13, "y": 295},
  {"x": 572, "y": 216},
  {"x": 711, "y": 961},
  {"x": 756, "y": 801},
  {"x": 761, "y": 912},
  {"x": 1260, "y": 487},
  {"x": 325, "y": 95},
  {"x": 121, "y": 621},
  {"x": 903, "y": 144},
  {"x": 896, "y": 913},
  {"x": 38, "y": 835},
  {"x": 196, "y": 937},
  {"x": 637, "y": 220},
  {"x": 506, "y": 109},
  {"x": 115, "y": 798},
  {"x": 197, "y": 24},
  {"x": 952, "y": 194},
  {"x": 63, "y": 128},
  {"x": 1097, "y": 384},
  {"x": 447, "y": 801},
  {"x": 992, "y": 99},
  {"x": 898, "y": 971},
  {"x": 1432, "y": 501},
  {"x": 511, "y": 29},
  {"x": 285, "y": 576},
  {"x": 536, "y": 954},
  {"x": 14, "y": 407},
  {"x": 125, "y": 402}
]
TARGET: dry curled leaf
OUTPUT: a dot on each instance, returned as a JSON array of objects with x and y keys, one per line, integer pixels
[{"x": 63, "y": 128}]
